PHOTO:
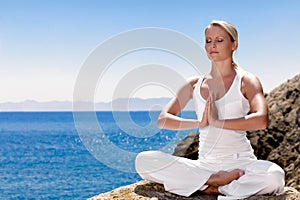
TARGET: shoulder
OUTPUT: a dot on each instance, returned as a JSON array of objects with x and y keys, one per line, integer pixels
[
  {"x": 250, "y": 84},
  {"x": 188, "y": 87},
  {"x": 250, "y": 80},
  {"x": 192, "y": 81}
]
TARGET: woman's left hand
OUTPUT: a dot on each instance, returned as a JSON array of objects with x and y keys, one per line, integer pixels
[{"x": 213, "y": 118}]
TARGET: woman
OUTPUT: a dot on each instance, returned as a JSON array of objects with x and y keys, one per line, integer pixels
[{"x": 228, "y": 102}]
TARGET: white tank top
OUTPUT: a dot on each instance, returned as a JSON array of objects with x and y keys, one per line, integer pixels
[{"x": 223, "y": 143}]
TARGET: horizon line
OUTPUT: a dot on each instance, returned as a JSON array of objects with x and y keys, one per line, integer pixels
[{"x": 47, "y": 101}]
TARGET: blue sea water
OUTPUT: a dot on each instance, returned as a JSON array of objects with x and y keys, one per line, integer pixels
[{"x": 44, "y": 156}]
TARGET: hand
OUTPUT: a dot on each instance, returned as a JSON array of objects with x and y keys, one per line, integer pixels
[
  {"x": 204, "y": 120},
  {"x": 213, "y": 117}
]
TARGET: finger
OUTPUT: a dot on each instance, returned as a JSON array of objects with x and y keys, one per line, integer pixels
[
  {"x": 204, "y": 121},
  {"x": 208, "y": 98},
  {"x": 207, "y": 104},
  {"x": 212, "y": 96},
  {"x": 204, "y": 117},
  {"x": 207, "y": 112}
]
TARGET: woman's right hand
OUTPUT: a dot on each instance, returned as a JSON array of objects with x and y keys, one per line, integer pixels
[{"x": 204, "y": 121}]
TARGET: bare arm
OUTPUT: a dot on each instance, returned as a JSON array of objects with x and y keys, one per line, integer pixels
[
  {"x": 168, "y": 118},
  {"x": 257, "y": 119}
]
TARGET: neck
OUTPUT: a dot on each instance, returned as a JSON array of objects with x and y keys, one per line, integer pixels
[{"x": 222, "y": 69}]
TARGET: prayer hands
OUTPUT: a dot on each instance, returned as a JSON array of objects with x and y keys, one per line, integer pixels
[
  {"x": 212, "y": 110},
  {"x": 210, "y": 115},
  {"x": 204, "y": 122}
]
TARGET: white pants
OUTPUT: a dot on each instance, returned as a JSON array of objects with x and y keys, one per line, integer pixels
[{"x": 183, "y": 176}]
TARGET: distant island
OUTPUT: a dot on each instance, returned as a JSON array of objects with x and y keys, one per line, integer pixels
[{"x": 122, "y": 104}]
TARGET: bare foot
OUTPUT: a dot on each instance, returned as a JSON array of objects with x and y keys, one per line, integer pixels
[
  {"x": 211, "y": 190},
  {"x": 223, "y": 178}
]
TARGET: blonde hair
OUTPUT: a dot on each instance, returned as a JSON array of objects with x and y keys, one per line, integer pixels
[{"x": 229, "y": 28}]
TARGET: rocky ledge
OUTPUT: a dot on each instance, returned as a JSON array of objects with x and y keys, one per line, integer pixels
[
  {"x": 279, "y": 143},
  {"x": 145, "y": 190}
]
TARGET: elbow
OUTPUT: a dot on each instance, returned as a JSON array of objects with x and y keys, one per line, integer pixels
[
  {"x": 264, "y": 122},
  {"x": 264, "y": 125},
  {"x": 161, "y": 120},
  {"x": 160, "y": 123}
]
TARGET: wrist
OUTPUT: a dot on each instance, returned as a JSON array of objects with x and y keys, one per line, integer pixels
[
  {"x": 218, "y": 123},
  {"x": 202, "y": 124}
]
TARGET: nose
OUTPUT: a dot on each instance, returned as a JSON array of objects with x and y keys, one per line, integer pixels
[{"x": 213, "y": 44}]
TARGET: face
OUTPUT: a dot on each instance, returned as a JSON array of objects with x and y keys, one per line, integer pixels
[{"x": 218, "y": 44}]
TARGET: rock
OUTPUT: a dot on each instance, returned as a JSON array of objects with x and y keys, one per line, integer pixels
[
  {"x": 279, "y": 143},
  {"x": 145, "y": 190},
  {"x": 188, "y": 147}
]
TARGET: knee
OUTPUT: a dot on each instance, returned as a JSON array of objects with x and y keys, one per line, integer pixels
[
  {"x": 144, "y": 160},
  {"x": 274, "y": 181},
  {"x": 139, "y": 160},
  {"x": 147, "y": 156},
  {"x": 271, "y": 176}
]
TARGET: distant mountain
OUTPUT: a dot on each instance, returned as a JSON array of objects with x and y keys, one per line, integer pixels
[{"x": 123, "y": 104}]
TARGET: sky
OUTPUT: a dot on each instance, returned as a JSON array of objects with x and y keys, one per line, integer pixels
[{"x": 44, "y": 44}]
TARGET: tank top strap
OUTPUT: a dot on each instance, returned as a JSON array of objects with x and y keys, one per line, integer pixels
[
  {"x": 239, "y": 77},
  {"x": 199, "y": 103},
  {"x": 196, "y": 93},
  {"x": 234, "y": 91},
  {"x": 240, "y": 74}
]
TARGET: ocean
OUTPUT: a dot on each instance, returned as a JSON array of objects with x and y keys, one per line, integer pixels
[{"x": 62, "y": 155}]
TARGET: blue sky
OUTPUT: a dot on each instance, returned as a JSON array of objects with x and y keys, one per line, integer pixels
[{"x": 43, "y": 44}]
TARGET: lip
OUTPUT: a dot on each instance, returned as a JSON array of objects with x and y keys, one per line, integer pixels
[{"x": 213, "y": 52}]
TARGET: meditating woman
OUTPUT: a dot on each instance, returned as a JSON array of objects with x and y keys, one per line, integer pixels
[{"x": 228, "y": 102}]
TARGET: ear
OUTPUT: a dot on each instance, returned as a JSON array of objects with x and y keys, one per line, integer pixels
[{"x": 234, "y": 45}]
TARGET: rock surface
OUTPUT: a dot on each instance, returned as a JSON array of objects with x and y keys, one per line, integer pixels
[
  {"x": 279, "y": 143},
  {"x": 145, "y": 190}
]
